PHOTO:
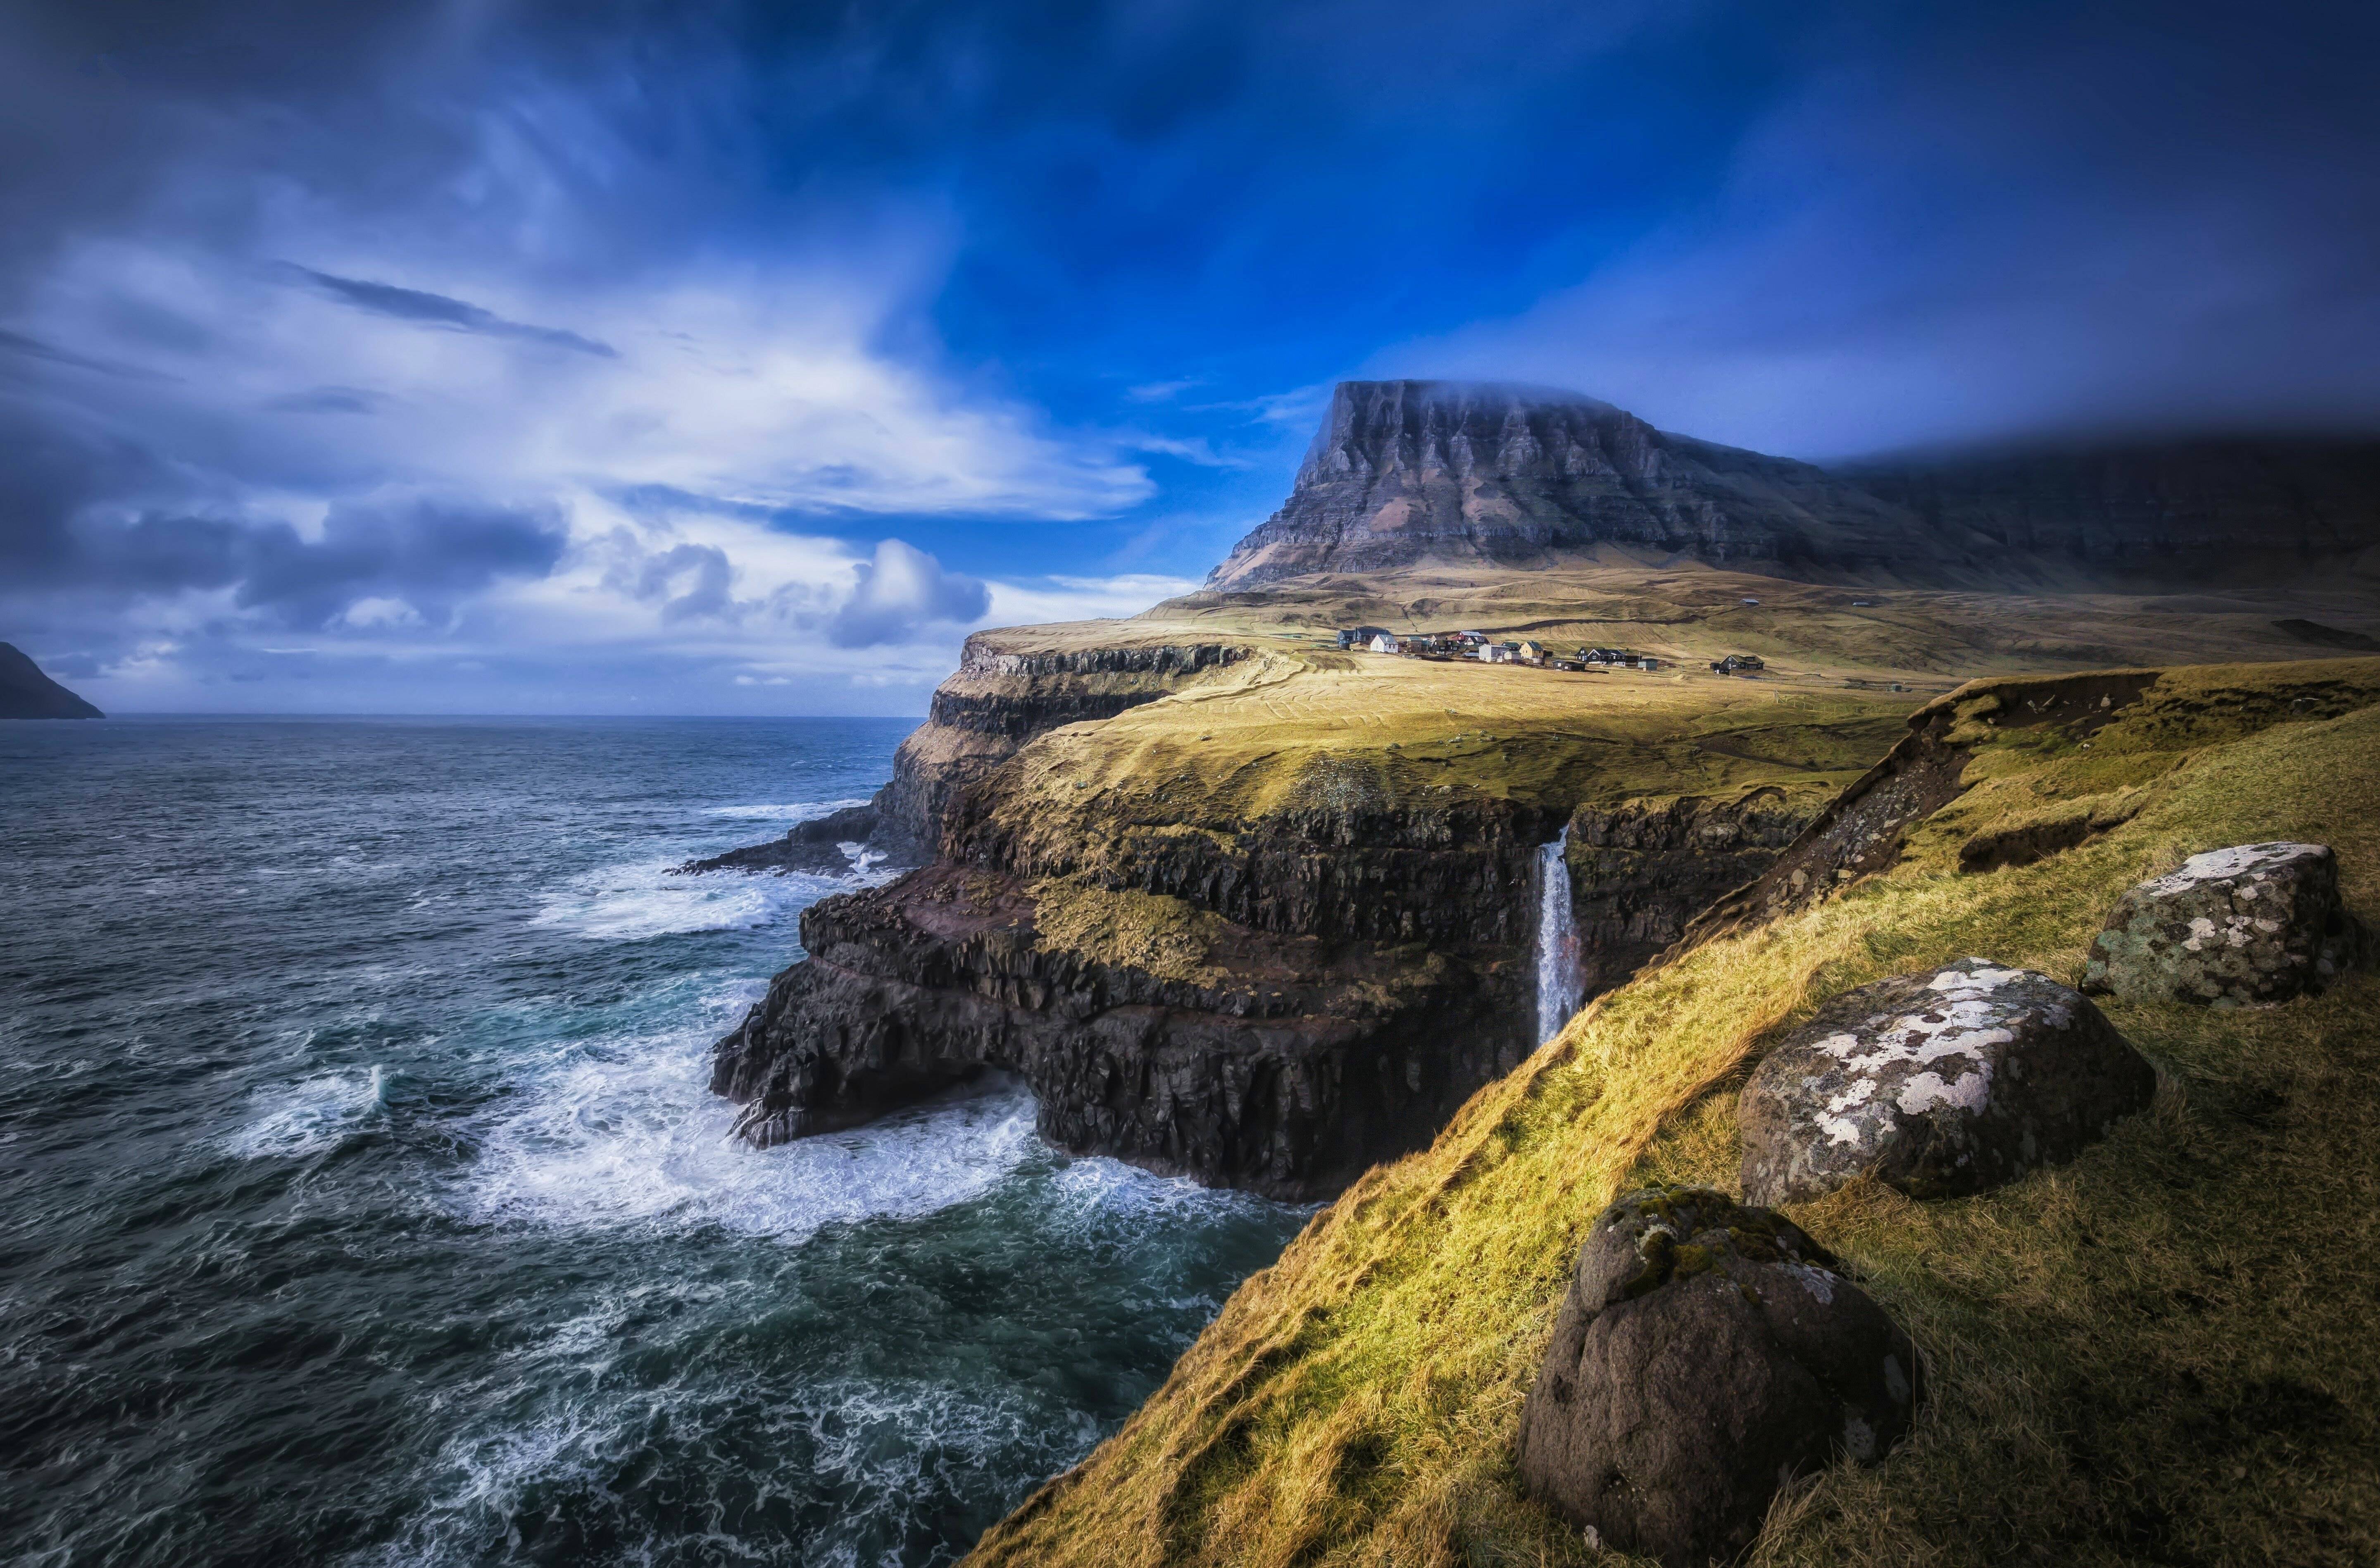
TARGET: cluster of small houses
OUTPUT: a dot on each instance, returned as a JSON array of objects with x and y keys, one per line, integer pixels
[{"x": 1476, "y": 645}]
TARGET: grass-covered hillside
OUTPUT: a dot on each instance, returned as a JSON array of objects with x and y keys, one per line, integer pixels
[{"x": 2161, "y": 1353}]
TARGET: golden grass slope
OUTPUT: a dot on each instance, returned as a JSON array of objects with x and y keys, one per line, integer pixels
[
  {"x": 2160, "y": 1353},
  {"x": 1402, "y": 729},
  {"x": 1695, "y": 613}
]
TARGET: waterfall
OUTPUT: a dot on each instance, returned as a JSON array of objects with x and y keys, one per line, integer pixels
[{"x": 1559, "y": 979}]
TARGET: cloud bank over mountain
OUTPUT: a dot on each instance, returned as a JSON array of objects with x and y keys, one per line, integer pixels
[{"x": 508, "y": 355}]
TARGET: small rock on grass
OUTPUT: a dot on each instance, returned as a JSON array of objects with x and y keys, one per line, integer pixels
[
  {"x": 1707, "y": 1353},
  {"x": 1940, "y": 1083},
  {"x": 2256, "y": 922}
]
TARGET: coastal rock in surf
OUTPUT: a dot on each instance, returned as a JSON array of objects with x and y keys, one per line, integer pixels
[
  {"x": 815, "y": 847},
  {"x": 1276, "y": 1062},
  {"x": 2256, "y": 922},
  {"x": 1706, "y": 1353},
  {"x": 1938, "y": 1084}
]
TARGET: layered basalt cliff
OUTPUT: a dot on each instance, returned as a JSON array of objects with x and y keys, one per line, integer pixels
[
  {"x": 1273, "y": 999},
  {"x": 1640, "y": 873},
  {"x": 999, "y": 700},
  {"x": 1190, "y": 1045}
]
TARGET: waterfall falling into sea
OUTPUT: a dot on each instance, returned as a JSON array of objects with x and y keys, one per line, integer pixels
[{"x": 1558, "y": 977}]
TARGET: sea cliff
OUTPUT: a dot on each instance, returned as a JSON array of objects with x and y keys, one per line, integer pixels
[{"x": 1227, "y": 924}]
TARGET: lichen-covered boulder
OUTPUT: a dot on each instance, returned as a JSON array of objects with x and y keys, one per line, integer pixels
[
  {"x": 1706, "y": 1353},
  {"x": 1940, "y": 1084},
  {"x": 2256, "y": 922}
]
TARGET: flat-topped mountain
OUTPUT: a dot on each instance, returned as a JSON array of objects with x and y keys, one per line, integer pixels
[
  {"x": 1407, "y": 471},
  {"x": 26, "y": 693}
]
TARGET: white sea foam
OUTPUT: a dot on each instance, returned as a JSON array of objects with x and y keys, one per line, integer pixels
[
  {"x": 627, "y": 1132},
  {"x": 639, "y": 900},
  {"x": 311, "y": 1117},
  {"x": 634, "y": 902},
  {"x": 793, "y": 811},
  {"x": 891, "y": 1449}
]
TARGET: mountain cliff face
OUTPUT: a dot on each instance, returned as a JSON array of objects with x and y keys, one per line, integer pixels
[
  {"x": 1407, "y": 471},
  {"x": 26, "y": 693},
  {"x": 2185, "y": 508},
  {"x": 1402, "y": 471}
]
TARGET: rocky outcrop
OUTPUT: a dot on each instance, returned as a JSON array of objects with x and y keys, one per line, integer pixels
[
  {"x": 1182, "y": 1042},
  {"x": 2256, "y": 922},
  {"x": 26, "y": 693},
  {"x": 1407, "y": 471},
  {"x": 1403, "y": 471},
  {"x": 1939, "y": 1085},
  {"x": 1706, "y": 1353},
  {"x": 815, "y": 847}
]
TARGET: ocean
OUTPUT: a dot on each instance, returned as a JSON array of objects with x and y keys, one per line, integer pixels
[{"x": 361, "y": 1199}]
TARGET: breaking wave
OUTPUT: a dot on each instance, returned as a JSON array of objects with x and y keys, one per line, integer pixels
[{"x": 796, "y": 811}]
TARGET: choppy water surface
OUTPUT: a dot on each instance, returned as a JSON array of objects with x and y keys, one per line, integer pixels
[{"x": 361, "y": 1201}]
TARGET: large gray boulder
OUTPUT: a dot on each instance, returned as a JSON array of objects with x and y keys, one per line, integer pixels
[
  {"x": 2256, "y": 922},
  {"x": 1707, "y": 1353},
  {"x": 1940, "y": 1084}
]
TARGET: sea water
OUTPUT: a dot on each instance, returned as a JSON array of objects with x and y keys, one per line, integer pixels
[{"x": 362, "y": 1200}]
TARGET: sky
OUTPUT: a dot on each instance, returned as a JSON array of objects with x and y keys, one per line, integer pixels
[{"x": 704, "y": 357}]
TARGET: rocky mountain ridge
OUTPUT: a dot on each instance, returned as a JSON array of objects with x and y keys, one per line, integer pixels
[
  {"x": 1405, "y": 471},
  {"x": 27, "y": 693}
]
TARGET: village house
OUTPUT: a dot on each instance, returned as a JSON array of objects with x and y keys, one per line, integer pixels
[
  {"x": 1739, "y": 663},
  {"x": 1386, "y": 642},
  {"x": 1531, "y": 653},
  {"x": 1497, "y": 653},
  {"x": 1360, "y": 637}
]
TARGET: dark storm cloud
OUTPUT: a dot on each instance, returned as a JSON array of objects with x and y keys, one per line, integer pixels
[
  {"x": 439, "y": 311},
  {"x": 70, "y": 541},
  {"x": 426, "y": 552}
]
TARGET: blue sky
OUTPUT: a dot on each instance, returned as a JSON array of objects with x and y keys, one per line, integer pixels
[{"x": 716, "y": 358}]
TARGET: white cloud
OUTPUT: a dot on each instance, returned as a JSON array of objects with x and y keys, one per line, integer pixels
[
  {"x": 1899, "y": 259},
  {"x": 740, "y": 384}
]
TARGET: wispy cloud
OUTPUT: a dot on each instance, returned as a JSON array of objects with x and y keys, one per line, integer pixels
[{"x": 439, "y": 311}]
